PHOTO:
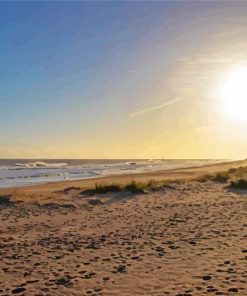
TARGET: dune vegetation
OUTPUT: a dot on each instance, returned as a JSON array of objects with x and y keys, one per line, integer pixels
[
  {"x": 236, "y": 177},
  {"x": 239, "y": 184},
  {"x": 133, "y": 187}
]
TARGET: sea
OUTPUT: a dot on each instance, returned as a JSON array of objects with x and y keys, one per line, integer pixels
[{"x": 25, "y": 172}]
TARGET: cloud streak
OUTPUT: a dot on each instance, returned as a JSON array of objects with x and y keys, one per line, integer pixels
[
  {"x": 134, "y": 70},
  {"x": 164, "y": 105}
]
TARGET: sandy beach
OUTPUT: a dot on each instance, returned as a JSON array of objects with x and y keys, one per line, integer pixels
[
  {"x": 123, "y": 148},
  {"x": 186, "y": 238}
]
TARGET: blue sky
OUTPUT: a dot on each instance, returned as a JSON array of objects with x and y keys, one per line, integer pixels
[{"x": 72, "y": 73}]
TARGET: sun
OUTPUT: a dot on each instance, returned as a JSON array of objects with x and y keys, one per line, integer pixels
[{"x": 232, "y": 92}]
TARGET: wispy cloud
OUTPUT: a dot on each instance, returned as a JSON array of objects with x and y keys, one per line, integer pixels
[
  {"x": 171, "y": 102},
  {"x": 134, "y": 70}
]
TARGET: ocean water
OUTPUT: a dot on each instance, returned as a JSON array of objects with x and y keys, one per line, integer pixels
[{"x": 23, "y": 172}]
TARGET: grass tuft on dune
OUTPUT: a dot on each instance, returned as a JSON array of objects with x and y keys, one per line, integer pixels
[
  {"x": 133, "y": 187},
  {"x": 239, "y": 184},
  {"x": 105, "y": 188},
  {"x": 233, "y": 175},
  {"x": 136, "y": 187}
]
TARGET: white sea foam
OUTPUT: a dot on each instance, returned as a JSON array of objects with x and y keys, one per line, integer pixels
[
  {"x": 40, "y": 164},
  {"x": 37, "y": 172}
]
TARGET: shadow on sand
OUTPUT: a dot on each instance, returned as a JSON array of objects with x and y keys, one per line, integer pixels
[
  {"x": 236, "y": 190},
  {"x": 5, "y": 200}
]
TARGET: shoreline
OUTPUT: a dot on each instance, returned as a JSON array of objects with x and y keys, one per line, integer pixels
[{"x": 188, "y": 173}]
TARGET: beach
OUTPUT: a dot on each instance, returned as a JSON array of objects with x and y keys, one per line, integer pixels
[{"x": 182, "y": 238}]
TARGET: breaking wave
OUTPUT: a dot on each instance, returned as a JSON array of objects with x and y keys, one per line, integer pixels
[{"x": 40, "y": 164}]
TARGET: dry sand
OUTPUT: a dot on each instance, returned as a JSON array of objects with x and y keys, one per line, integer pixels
[{"x": 189, "y": 238}]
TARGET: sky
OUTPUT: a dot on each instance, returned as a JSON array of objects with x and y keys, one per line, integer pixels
[{"x": 122, "y": 79}]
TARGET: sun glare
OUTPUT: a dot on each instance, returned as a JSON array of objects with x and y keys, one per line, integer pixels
[{"x": 233, "y": 94}]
